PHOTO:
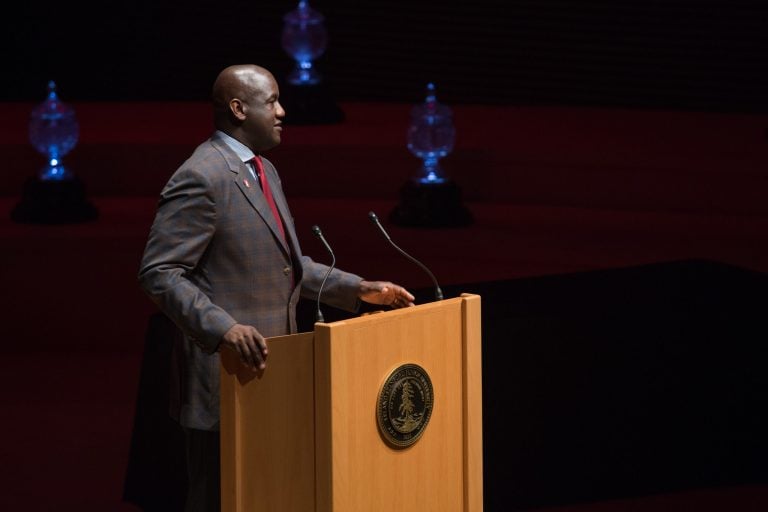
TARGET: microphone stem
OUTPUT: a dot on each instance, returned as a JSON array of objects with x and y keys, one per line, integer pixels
[
  {"x": 375, "y": 219},
  {"x": 319, "y": 315},
  {"x": 438, "y": 291},
  {"x": 319, "y": 234}
]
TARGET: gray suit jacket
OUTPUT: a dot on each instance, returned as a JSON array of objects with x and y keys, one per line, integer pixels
[{"x": 215, "y": 257}]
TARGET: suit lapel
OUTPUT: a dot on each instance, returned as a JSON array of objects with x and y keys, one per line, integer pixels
[{"x": 251, "y": 189}]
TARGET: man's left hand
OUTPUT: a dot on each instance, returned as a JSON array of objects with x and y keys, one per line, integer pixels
[{"x": 386, "y": 293}]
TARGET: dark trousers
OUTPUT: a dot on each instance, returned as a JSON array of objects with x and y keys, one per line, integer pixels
[{"x": 203, "y": 470}]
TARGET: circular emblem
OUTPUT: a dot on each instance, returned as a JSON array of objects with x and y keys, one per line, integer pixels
[{"x": 405, "y": 405}]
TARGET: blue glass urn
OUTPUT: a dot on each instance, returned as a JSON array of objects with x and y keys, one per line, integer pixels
[
  {"x": 305, "y": 39},
  {"x": 431, "y": 199},
  {"x": 53, "y": 132},
  {"x": 431, "y": 135}
]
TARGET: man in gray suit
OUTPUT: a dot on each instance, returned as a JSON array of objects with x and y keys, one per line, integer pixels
[{"x": 224, "y": 263}]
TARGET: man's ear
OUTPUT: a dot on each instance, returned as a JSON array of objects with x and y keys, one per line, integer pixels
[{"x": 237, "y": 107}]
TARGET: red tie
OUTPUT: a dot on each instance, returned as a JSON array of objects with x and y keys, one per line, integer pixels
[{"x": 268, "y": 193}]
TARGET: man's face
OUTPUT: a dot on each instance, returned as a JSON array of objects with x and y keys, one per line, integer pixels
[{"x": 263, "y": 122}]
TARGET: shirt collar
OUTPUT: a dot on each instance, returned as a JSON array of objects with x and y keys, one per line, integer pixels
[{"x": 243, "y": 152}]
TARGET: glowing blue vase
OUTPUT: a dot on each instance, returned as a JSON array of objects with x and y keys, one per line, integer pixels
[
  {"x": 431, "y": 199},
  {"x": 431, "y": 135},
  {"x": 305, "y": 39},
  {"x": 53, "y": 131}
]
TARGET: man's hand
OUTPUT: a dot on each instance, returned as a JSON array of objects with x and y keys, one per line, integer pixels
[
  {"x": 384, "y": 292},
  {"x": 248, "y": 344}
]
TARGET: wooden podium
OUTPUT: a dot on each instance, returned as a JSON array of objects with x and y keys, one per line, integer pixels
[{"x": 304, "y": 435}]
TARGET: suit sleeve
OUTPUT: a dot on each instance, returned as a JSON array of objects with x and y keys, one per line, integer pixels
[
  {"x": 340, "y": 289},
  {"x": 183, "y": 227}
]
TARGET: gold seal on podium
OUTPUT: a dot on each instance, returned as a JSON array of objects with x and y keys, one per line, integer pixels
[{"x": 405, "y": 405}]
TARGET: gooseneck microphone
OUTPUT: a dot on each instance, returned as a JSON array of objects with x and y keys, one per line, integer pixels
[
  {"x": 319, "y": 234},
  {"x": 375, "y": 220}
]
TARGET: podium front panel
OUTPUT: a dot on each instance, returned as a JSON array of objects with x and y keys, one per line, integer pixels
[{"x": 357, "y": 468}]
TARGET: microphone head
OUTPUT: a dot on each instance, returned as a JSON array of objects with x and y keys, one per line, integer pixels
[
  {"x": 373, "y": 217},
  {"x": 316, "y": 230}
]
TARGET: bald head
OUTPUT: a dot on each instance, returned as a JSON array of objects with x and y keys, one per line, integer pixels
[
  {"x": 238, "y": 82},
  {"x": 246, "y": 106}
]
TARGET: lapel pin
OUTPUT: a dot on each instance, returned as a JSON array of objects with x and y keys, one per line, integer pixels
[{"x": 248, "y": 185}]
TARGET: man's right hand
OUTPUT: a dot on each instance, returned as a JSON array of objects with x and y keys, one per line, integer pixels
[{"x": 248, "y": 344}]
